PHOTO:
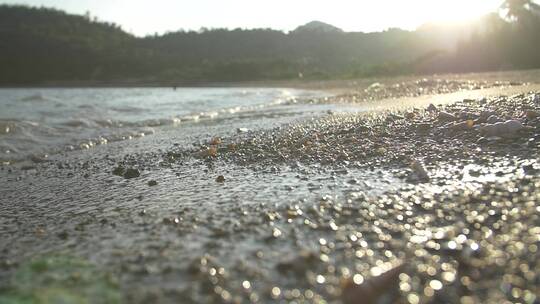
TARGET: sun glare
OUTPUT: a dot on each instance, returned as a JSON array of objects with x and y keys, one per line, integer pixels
[
  {"x": 376, "y": 15},
  {"x": 457, "y": 10},
  {"x": 160, "y": 16}
]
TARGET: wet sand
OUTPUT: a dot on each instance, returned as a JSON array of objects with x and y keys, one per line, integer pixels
[{"x": 410, "y": 200}]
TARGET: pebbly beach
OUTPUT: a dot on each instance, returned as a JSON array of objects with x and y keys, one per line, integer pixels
[{"x": 413, "y": 191}]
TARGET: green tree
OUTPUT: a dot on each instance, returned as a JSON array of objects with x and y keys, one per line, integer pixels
[{"x": 519, "y": 10}]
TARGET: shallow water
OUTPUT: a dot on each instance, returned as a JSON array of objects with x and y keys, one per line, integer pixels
[{"x": 36, "y": 121}]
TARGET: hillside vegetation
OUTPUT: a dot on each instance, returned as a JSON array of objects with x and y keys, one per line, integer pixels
[{"x": 42, "y": 45}]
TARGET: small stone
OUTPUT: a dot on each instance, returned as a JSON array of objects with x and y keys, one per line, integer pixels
[
  {"x": 119, "y": 171},
  {"x": 242, "y": 130},
  {"x": 410, "y": 115},
  {"x": 38, "y": 159},
  {"x": 536, "y": 98},
  {"x": 529, "y": 169},
  {"x": 210, "y": 152},
  {"x": 482, "y": 140},
  {"x": 484, "y": 115},
  {"x": 394, "y": 116},
  {"x": 132, "y": 173},
  {"x": 373, "y": 290},
  {"x": 152, "y": 183},
  {"x": 419, "y": 170},
  {"x": 220, "y": 179},
  {"x": 464, "y": 115},
  {"x": 423, "y": 126},
  {"x": 493, "y": 119},
  {"x": 63, "y": 235},
  {"x": 6, "y": 264},
  {"x": 462, "y": 126},
  {"x": 532, "y": 142},
  {"x": 502, "y": 129},
  {"x": 431, "y": 108},
  {"x": 532, "y": 114},
  {"x": 445, "y": 116},
  {"x": 215, "y": 141}
]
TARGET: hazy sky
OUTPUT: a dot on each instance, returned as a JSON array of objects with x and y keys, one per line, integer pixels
[{"x": 143, "y": 17}]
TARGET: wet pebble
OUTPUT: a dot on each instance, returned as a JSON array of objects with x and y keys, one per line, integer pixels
[{"x": 132, "y": 173}]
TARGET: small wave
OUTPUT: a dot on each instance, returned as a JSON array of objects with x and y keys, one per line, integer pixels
[
  {"x": 36, "y": 98},
  {"x": 12, "y": 126},
  {"x": 77, "y": 123},
  {"x": 106, "y": 123},
  {"x": 115, "y": 137},
  {"x": 241, "y": 94},
  {"x": 128, "y": 109},
  {"x": 160, "y": 122},
  {"x": 61, "y": 131},
  {"x": 32, "y": 138}
]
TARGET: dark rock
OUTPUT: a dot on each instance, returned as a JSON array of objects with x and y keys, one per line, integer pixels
[
  {"x": 39, "y": 159},
  {"x": 529, "y": 169},
  {"x": 464, "y": 115},
  {"x": 119, "y": 171},
  {"x": 493, "y": 119},
  {"x": 423, "y": 127},
  {"x": 394, "y": 116},
  {"x": 63, "y": 235},
  {"x": 379, "y": 289},
  {"x": 445, "y": 116},
  {"x": 131, "y": 173},
  {"x": 152, "y": 183}
]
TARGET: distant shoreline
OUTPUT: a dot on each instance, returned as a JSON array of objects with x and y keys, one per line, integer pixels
[
  {"x": 533, "y": 76},
  {"x": 121, "y": 84}
]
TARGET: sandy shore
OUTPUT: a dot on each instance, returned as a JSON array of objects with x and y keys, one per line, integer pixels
[{"x": 417, "y": 199}]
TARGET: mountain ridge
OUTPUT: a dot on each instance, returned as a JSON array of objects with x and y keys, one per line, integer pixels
[
  {"x": 46, "y": 45},
  {"x": 317, "y": 26}
]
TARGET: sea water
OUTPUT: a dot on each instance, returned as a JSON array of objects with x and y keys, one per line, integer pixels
[{"x": 37, "y": 122}]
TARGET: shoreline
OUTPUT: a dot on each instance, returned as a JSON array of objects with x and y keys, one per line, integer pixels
[
  {"x": 376, "y": 97},
  {"x": 421, "y": 198},
  {"x": 342, "y": 85}
]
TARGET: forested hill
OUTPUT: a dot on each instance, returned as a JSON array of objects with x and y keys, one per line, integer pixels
[
  {"x": 41, "y": 45},
  {"x": 45, "y": 44}
]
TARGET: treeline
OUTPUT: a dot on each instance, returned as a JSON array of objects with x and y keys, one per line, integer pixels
[
  {"x": 501, "y": 45},
  {"x": 42, "y": 45}
]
